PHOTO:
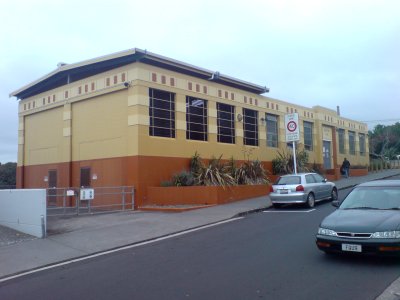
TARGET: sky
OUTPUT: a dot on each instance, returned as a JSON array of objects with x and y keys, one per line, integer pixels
[{"x": 328, "y": 52}]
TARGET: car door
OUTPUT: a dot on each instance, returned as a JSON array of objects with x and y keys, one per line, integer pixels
[
  {"x": 312, "y": 186},
  {"x": 323, "y": 188}
]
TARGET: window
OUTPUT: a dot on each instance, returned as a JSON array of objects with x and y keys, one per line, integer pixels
[
  {"x": 352, "y": 146},
  {"x": 341, "y": 141},
  {"x": 361, "y": 138},
  {"x": 196, "y": 119},
  {"x": 226, "y": 123},
  {"x": 308, "y": 136},
  {"x": 250, "y": 127},
  {"x": 272, "y": 130},
  {"x": 162, "y": 113}
]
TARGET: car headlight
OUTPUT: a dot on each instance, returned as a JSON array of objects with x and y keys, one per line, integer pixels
[
  {"x": 394, "y": 234},
  {"x": 324, "y": 231}
]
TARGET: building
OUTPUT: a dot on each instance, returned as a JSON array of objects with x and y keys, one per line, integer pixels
[{"x": 136, "y": 118}]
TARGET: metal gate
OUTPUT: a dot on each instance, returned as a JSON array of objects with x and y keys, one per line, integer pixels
[{"x": 77, "y": 201}]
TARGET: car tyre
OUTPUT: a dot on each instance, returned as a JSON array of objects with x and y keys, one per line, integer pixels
[
  {"x": 310, "y": 200},
  {"x": 334, "y": 194}
]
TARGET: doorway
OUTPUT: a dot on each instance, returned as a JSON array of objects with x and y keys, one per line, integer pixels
[{"x": 326, "y": 153}]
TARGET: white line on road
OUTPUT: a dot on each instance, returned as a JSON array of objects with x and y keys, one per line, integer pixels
[
  {"x": 289, "y": 211},
  {"x": 117, "y": 250}
]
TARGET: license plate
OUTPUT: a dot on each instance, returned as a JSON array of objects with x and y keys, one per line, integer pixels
[
  {"x": 351, "y": 247},
  {"x": 284, "y": 191}
]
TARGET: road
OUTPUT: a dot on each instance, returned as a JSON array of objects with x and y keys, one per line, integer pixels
[{"x": 268, "y": 255}]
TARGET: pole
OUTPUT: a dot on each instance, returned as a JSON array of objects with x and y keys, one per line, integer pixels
[{"x": 294, "y": 157}]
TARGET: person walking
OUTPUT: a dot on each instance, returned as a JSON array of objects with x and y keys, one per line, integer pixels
[{"x": 346, "y": 167}]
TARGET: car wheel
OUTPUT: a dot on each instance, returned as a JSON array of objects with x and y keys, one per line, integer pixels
[
  {"x": 310, "y": 200},
  {"x": 334, "y": 194}
]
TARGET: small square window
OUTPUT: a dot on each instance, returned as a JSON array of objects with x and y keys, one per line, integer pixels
[
  {"x": 204, "y": 89},
  {"x": 154, "y": 77},
  {"x": 115, "y": 79},
  {"x": 108, "y": 82},
  {"x": 163, "y": 79},
  {"x": 198, "y": 88},
  {"x": 190, "y": 86},
  {"x": 123, "y": 77},
  {"x": 172, "y": 81}
]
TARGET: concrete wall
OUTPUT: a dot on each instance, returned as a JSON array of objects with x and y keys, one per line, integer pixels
[{"x": 24, "y": 210}]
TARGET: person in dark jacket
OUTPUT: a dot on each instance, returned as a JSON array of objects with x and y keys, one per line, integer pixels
[{"x": 346, "y": 167}]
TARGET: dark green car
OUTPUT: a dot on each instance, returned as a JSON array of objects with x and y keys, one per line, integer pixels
[{"x": 367, "y": 221}]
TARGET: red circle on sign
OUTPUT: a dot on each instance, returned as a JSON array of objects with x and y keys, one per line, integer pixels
[{"x": 292, "y": 126}]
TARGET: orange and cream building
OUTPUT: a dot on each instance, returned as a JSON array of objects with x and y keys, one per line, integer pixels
[{"x": 135, "y": 118}]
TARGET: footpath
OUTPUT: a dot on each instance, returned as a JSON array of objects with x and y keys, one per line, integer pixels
[{"x": 74, "y": 237}]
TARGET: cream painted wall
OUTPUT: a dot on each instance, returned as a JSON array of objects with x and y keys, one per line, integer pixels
[
  {"x": 100, "y": 127},
  {"x": 43, "y": 134},
  {"x": 112, "y": 121}
]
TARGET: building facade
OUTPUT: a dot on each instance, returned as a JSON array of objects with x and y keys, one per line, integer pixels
[{"x": 135, "y": 118}]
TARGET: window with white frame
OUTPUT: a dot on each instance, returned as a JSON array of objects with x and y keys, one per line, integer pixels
[
  {"x": 308, "y": 135},
  {"x": 272, "y": 130},
  {"x": 361, "y": 141},
  {"x": 162, "y": 113},
  {"x": 226, "y": 123},
  {"x": 250, "y": 127},
  {"x": 196, "y": 119},
  {"x": 352, "y": 143}
]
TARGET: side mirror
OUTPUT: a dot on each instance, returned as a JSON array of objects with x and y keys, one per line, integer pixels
[
  {"x": 336, "y": 203},
  {"x": 325, "y": 180}
]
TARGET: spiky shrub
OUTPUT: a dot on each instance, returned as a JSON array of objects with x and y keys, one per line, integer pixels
[
  {"x": 215, "y": 173},
  {"x": 251, "y": 172},
  {"x": 183, "y": 178},
  {"x": 284, "y": 162},
  {"x": 196, "y": 167}
]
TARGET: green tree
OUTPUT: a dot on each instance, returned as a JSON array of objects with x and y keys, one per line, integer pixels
[
  {"x": 8, "y": 174},
  {"x": 384, "y": 141}
]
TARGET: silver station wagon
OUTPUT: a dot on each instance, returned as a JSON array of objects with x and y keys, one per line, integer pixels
[{"x": 306, "y": 188}]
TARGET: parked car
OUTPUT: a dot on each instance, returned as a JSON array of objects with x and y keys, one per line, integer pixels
[
  {"x": 306, "y": 188},
  {"x": 367, "y": 221}
]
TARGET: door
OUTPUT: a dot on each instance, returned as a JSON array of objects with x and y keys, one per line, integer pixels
[
  {"x": 52, "y": 188},
  {"x": 326, "y": 153},
  {"x": 85, "y": 177}
]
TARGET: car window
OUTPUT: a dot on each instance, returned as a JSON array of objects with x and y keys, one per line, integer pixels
[
  {"x": 318, "y": 178},
  {"x": 373, "y": 197},
  {"x": 289, "y": 180},
  {"x": 310, "y": 179}
]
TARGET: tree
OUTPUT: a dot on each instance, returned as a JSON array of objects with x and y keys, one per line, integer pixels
[
  {"x": 384, "y": 141},
  {"x": 8, "y": 174}
]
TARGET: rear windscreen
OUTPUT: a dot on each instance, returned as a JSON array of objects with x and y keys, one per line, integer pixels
[{"x": 289, "y": 180}]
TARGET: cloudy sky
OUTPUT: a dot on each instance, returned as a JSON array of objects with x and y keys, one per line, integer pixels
[{"x": 327, "y": 52}]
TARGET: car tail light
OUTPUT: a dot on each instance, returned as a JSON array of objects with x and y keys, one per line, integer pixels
[
  {"x": 300, "y": 188},
  {"x": 271, "y": 189}
]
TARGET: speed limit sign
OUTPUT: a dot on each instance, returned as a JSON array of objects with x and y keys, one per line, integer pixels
[{"x": 292, "y": 127}]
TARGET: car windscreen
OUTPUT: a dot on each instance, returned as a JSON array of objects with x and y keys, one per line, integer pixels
[
  {"x": 372, "y": 198},
  {"x": 289, "y": 180}
]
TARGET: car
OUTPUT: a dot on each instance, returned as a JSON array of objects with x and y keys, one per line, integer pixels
[
  {"x": 367, "y": 221},
  {"x": 305, "y": 188}
]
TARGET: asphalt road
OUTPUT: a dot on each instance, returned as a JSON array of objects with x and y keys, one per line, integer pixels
[{"x": 268, "y": 255}]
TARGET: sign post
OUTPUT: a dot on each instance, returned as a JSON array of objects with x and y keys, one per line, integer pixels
[{"x": 292, "y": 133}]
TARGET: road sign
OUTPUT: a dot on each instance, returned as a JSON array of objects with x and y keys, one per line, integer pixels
[{"x": 292, "y": 127}]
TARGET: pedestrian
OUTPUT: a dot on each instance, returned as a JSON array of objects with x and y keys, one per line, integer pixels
[{"x": 346, "y": 167}]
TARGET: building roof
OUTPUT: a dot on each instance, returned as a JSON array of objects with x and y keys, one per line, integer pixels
[{"x": 68, "y": 73}]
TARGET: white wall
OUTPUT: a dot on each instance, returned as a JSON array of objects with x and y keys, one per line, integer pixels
[{"x": 24, "y": 210}]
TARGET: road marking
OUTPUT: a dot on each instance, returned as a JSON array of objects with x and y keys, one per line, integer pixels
[
  {"x": 289, "y": 211},
  {"x": 117, "y": 250}
]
